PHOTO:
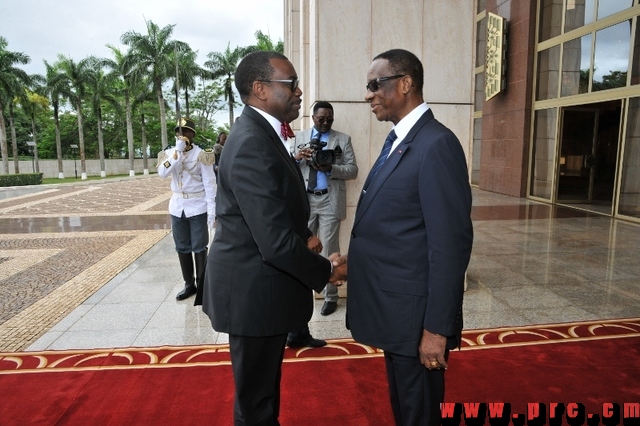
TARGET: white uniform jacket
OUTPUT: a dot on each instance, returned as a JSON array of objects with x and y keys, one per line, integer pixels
[{"x": 192, "y": 181}]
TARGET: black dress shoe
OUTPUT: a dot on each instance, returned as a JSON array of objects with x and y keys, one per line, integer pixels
[
  {"x": 310, "y": 342},
  {"x": 187, "y": 292},
  {"x": 328, "y": 308}
]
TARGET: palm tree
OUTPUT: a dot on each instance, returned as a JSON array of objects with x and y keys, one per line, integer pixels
[
  {"x": 124, "y": 66},
  {"x": 264, "y": 42},
  {"x": 223, "y": 65},
  {"x": 18, "y": 97},
  {"x": 12, "y": 82},
  {"x": 77, "y": 76},
  {"x": 188, "y": 71},
  {"x": 102, "y": 89},
  {"x": 31, "y": 103},
  {"x": 54, "y": 84},
  {"x": 143, "y": 95},
  {"x": 153, "y": 53}
]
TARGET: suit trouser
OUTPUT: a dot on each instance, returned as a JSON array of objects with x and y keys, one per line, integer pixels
[
  {"x": 190, "y": 234},
  {"x": 257, "y": 367},
  {"x": 415, "y": 391},
  {"x": 326, "y": 226}
]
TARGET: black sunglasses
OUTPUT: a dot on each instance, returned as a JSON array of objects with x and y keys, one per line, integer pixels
[
  {"x": 323, "y": 119},
  {"x": 374, "y": 84},
  {"x": 293, "y": 84}
]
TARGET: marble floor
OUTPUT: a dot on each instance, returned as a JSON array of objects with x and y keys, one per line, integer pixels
[{"x": 532, "y": 263}]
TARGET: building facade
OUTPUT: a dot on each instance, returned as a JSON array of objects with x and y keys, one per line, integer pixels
[{"x": 547, "y": 107}]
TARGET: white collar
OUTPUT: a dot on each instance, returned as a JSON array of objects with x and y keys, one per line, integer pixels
[
  {"x": 275, "y": 123},
  {"x": 404, "y": 126}
]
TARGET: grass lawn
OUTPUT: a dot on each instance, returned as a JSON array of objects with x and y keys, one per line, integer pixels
[{"x": 71, "y": 179}]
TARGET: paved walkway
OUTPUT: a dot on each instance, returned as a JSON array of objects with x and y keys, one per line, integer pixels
[{"x": 92, "y": 265}]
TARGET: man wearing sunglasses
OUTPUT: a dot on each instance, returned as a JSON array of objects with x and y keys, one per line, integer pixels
[
  {"x": 411, "y": 242},
  {"x": 262, "y": 275},
  {"x": 326, "y": 189}
]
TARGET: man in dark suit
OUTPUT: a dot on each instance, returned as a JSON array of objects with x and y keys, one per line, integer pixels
[
  {"x": 411, "y": 242},
  {"x": 261, "y": 275}
]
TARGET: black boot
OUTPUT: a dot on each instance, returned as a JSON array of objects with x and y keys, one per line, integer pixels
[
  {"x": 201, "y": 265},
  {"x": 186, "y": 264}
]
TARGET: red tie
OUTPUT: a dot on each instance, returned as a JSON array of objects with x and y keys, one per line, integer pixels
[{"x": 286, "y": 132}]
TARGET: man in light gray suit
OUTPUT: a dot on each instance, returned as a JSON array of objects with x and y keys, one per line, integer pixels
[{"x": 326, "y": 190}]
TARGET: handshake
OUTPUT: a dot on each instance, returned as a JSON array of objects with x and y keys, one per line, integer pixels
[
  {"x": 339, "y": 274},
  {"x": 339, "y": 262}
]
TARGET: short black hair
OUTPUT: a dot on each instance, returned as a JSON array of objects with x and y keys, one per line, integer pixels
[
  {"x": 253, "y": 67},
  {"x": 404, "y": 62},
  {"x": 322, "y": 104}
]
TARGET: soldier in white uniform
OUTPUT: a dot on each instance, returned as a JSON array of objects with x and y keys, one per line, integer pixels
[{"x": 192, "y": 205}]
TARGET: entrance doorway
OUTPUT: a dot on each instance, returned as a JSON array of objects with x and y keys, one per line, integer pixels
[{"x": 589, "y": 144}]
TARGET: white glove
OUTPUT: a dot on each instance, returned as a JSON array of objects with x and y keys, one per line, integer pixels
[
  {"x": 210, "y": 219},
  {"x": 181, "y": 144}
]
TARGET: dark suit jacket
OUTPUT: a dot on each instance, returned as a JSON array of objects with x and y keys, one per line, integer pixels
[
  {"x": 260, "y": 272},
  {"x": 411, "y": 243}
]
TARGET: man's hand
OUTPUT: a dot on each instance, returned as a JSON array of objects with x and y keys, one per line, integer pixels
[
  {"x": 339, "y": 274},
  {"x": 181, "y": 143},
  {"x": 432, "y": 349},
  {"x": 314, "y": 244},
  {"x": 303, "y": 154}
]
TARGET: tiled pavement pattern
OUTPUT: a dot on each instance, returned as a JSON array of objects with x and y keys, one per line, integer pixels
[
  {"x": 50, "y": 264},
  {"x": 93, "y": 266}
]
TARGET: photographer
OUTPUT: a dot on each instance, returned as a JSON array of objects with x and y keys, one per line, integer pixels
[{"x": 326, "y": 160}]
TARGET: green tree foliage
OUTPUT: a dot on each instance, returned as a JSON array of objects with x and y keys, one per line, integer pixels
[
  {"x": 116, "y": 107},
  {"x": 77, "y": 76},
  {"x": 222, "y": 65},
  {"x": 13, "y": 80},
  {"x": 610, "y": 81},
  {"x": 264, "y": 42},
  {"x": 153, "y": 53}
]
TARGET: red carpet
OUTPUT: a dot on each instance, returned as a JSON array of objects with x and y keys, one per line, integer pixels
[{"x": 590, "y": 363}]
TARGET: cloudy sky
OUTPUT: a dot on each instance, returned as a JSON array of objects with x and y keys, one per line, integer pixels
[{"x": 78, "y": 28}]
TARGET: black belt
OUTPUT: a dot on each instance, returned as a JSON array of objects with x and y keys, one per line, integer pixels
[{"x": 321, "y": 192}]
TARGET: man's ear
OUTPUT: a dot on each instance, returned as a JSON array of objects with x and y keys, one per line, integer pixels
[
  {"x": 406, "y": 83},
  {"x": 259, "y": 90}
]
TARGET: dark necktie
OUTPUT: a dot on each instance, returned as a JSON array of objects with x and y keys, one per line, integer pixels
[
  {"x": 386, "y": 148},
  {"x": 313, "y": 178},
  {"x": 285, "y": 131}
]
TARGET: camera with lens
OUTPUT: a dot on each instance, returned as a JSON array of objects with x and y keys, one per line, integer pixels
[{"x": 320, "y": 157}]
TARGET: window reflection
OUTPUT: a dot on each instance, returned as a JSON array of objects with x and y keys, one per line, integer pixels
[
  {"x": 579, "y": 13},
  {"x": 576, "y": 61},
  {"x": 550, "y": 19},
  {"x": 482, "y": 5},
  {"x": 609, "y": 7},
  {"x": 635, "y": 70},
  {"x": 612, "y": 57},
  {"x": 548, "y": 70},
  {"x": 629, "y": 204},
  {"x": 544, "y": 143}
]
